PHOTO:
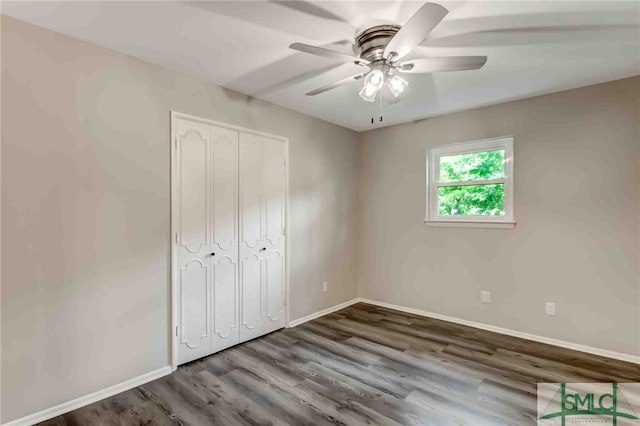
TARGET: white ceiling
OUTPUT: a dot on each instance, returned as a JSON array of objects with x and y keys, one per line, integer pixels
[{"x": 534, "y": 47}]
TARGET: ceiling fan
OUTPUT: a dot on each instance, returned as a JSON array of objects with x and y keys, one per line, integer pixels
[{"x": 381, "y": 49}]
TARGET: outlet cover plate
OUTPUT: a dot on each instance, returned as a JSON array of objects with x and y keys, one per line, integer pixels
[{"x": 550, "y": 308}]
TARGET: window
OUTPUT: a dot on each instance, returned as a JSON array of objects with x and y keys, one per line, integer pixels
[{"x": 471, "y": 184}]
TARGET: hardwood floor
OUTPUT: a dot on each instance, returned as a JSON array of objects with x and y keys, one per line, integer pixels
[{"x": 361, "y": 365}]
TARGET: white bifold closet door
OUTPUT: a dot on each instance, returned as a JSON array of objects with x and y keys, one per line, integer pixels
[
  {"x": 262, "y": 245},
  {"x": 230, "y": 237}
]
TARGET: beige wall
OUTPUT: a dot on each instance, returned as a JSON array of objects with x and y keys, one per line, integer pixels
[
  {"x": 85, "y": 211},
  {"x": 577, "y": 192}
]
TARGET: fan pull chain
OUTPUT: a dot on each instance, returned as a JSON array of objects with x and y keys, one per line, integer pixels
[
  {"x": 381, "y": 106},
  {"x": 380, "y": 109}
]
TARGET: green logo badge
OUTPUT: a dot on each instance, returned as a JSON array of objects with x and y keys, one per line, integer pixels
[{"x": 587, "y": 403}]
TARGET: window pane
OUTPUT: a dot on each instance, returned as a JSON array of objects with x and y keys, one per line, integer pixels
[
  {"x": 472, "y": 166},
  {"x": 471, "y": 200}
]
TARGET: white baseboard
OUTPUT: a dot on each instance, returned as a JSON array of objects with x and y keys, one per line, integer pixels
[
  {"x": 555, "y": 342},
  {"x": 63, "y": 408},
  {"x": 323, "y": 312}
]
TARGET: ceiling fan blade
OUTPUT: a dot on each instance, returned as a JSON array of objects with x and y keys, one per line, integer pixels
[
  {"x": 335, "y": 84},
  {"x": 415, "y": 30},
  {"x": 447, "y": 63},
  {"x": 328, "y": 53}
]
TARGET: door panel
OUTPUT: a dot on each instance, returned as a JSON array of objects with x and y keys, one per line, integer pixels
[
  {"x": 194, "y": 197},
  {"x": 251, "y": 206},
  {"x": 252, "y": 228},
  {"x": 275, "y": 192},
  {"x": 251, "y": 286},
  {"x": 274, "y": 189},
  {"x": 225, "y": 188},
  {"x": 251, "y": 236},
  {"x": 225, "y": 304},
  {"x": 275, "y": 267},
  {"x": 194, "y": 242},
  {"x": 262, "y": 209},
  {"x": 194, "y": 295},
  {"x": 224, "y": 225}
]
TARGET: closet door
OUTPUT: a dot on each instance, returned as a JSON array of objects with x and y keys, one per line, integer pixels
[
  {"x": 193, "y": 240},
  {"x": 224, "y": 237},
  {"x": 274, "y": 242},
  {"x": 262, "y": 243},
  {"x": 229, "y": 195},
  {"x": 251, "y": 237}
]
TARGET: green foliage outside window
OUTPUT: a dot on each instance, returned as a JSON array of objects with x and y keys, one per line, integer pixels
[{"x": 472, "y": 200}]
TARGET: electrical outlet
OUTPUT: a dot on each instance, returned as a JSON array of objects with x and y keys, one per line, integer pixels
[
  {"x": 550, "y": 308},
  {"x": 485, "y": 296},
  {"x": 325, "y": 287}
]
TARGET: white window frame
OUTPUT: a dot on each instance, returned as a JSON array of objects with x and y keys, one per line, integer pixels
[{"x": 433, "y": 176}]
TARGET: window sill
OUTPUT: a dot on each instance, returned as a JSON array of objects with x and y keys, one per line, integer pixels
[{"x": 468, "y": 224}]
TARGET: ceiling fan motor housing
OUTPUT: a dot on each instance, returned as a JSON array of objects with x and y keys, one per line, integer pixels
[{"x": 371, "y": 42}]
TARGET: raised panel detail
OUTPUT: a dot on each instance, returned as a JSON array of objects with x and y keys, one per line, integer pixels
[
  {"x": 274, "y": 188},
  {"x": 225, "y": 212},
  {"x": 194, "y": 192},
  {"x": 224, "y": 295},
  {"x": 194, "y": 304},
  {"x": 251, "y": 288},
  {"x": 251, "y": 190},
  {"x": 275, "y": 285}
]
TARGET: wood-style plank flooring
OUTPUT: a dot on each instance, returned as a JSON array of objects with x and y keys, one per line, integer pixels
[{"x": 361, "y": 365}]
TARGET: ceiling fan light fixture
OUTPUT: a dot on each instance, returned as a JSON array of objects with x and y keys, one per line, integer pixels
[
  {"x": 375, "y": 79},
  {"x": 396, "y": 85},
  {"x": 373, "y": 82},
  {"x": 367, "y": 94}
]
